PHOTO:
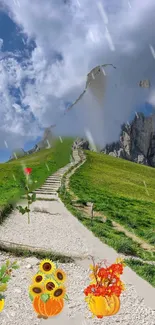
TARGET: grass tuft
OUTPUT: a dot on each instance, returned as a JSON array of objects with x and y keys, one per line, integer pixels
[{"x": 146, "y": 271}]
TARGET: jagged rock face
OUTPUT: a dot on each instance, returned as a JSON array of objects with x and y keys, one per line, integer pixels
[
  {"x": 137, "y": 141},
  {"x": 81, "y": 143}
]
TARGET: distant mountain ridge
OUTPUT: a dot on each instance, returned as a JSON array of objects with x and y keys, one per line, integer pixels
[
  {"x": 137, "y": 141},
  {"x": 43, "y": 144}
]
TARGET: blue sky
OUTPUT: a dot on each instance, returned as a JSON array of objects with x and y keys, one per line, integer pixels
[
  {"x": 15, "y": 41},
  {"x": 46, "y": 50}
]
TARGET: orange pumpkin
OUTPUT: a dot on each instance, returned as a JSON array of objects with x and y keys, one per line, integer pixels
[
  {"x": 104, "y": 306},
  {"x": 51, "y": 307}
]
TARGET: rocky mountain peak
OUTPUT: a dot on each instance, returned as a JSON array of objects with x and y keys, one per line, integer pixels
[{"x": 137, "y": 141}]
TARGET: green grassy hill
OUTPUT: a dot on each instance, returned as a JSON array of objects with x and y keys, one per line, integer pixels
[
  {"x": 117, "y": 188},
  {"x": 55, "y": 158}
]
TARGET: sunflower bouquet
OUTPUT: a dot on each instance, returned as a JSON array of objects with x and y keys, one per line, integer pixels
[
  {"x": 48, "y": 291},
  {"x": 102, "y": 295}
]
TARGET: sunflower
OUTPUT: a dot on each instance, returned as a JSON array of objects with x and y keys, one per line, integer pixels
[
  {"x": 47, "y": 267},
  {"x": 50, "y": 285},
  {"x": 38, "y": 278},
  {"x": 35, "y": 290},
  {"x": 60, "y": 276},
  {"x": 59, "y": 292}
]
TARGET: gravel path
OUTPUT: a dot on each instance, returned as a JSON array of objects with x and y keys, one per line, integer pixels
[
  {"x": 58, "y": 232},
  {"x": 18, "y": 308},
  {"x": 53, "y": 227}
]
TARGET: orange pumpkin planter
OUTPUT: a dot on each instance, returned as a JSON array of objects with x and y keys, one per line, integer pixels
[
  {"x": 104, "y": 306},
  {"x": 102, "y": 295},
  {"x": 51, "y": 307}
]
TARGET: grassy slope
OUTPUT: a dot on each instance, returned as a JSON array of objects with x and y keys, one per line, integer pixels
[
  {"x": 56, "y": 157},
  {"x": 116, "y": 187},
  {"x": 118, "y": 240},
  {"x": 144, "y": 270}
]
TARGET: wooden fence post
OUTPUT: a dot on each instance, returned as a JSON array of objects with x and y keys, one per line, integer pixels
[{"x": 92, "y": 212}]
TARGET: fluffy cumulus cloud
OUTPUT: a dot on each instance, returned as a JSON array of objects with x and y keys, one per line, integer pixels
[{"x": 71, "y": 37}]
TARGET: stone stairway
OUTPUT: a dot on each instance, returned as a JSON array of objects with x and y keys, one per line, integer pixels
[{"x": 49, "y": 190}]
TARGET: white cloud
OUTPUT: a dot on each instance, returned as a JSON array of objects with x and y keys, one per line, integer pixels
[
  {"x": 79, "y": 35},
  {"x": 1, "y": 43}
]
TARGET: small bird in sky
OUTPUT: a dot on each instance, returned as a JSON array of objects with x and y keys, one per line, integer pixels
[{"x": 144, "y": 83}]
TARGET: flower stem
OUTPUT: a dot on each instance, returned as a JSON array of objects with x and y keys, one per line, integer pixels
[
  {"x": 95, "y": 273},
  {"x": 28, "y": 208},
  {"x": 27, "y": 181}
]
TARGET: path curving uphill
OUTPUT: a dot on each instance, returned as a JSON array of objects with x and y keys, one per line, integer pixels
[{"x": 54, "y": 228}]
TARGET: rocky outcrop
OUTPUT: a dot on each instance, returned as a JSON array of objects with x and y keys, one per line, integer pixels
[
  {"x": 137, "y": 141},
  {"x": 46, "y": 142},
  {"x": 81, "y": 144}
]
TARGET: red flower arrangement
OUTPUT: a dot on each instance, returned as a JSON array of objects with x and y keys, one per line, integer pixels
[
  {"x": 102, "y": 295},
  {"x": 106, "y": 280}
]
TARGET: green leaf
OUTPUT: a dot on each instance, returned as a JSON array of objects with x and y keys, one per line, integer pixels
[
  {"x": 7, "y": 263},
  {"x": 66, "y": 298},
  {"x": 45, "y": 297},
  {"x": 27, "y": 210},
  {"x": 21, "y": 209},
  {"x": 1, "y": 296},
  {"x": 23, "y": 212},
  {"x": 15, "y": 267},
  {"x": 15, "y": 262},
  {"x": 31, "y": 298},
  {"x": 3, "y": 287},
  {"x": 33, "y": 198},
  {"x": 3, "y": 270},
  {"x": 6, "y": 279}
]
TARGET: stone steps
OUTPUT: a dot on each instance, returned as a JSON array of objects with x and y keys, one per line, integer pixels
[
  {"x": 54, "y": 178},
  {"x": 57, "y": 179},
  {"x": 45, "y": 192},
  {"x": 52, "y": 184},
  {"x": 46, "y": 189}
]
